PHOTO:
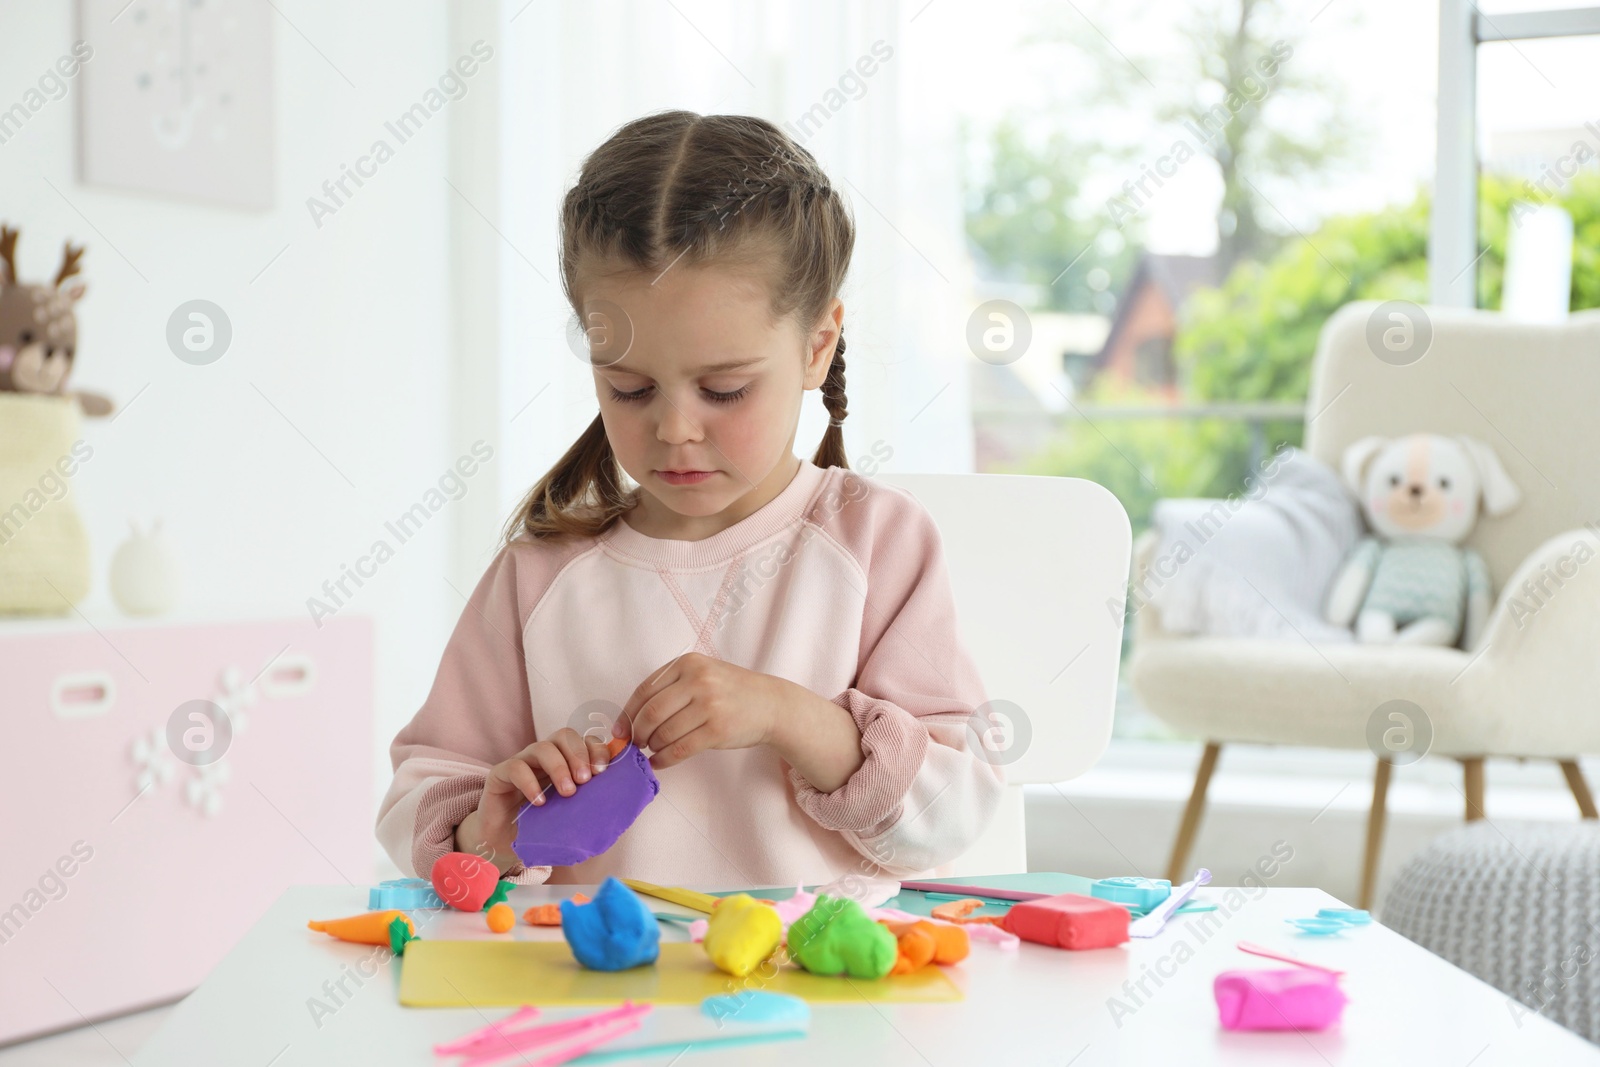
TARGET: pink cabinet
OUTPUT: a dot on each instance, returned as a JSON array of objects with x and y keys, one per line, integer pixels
[{"x": 131, "y": 856}]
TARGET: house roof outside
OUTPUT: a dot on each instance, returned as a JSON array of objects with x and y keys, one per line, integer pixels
[{"x": 1177, "y": 277}]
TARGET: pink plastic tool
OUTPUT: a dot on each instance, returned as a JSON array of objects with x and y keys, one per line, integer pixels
[
  {"x": 577, "y": 1036},
  {"x": 493, "y": 1031},
  {"x": 1305, "y": 997},
  {"x": 585, "y": 1042},
  {"x": 1257, "y": 950}
]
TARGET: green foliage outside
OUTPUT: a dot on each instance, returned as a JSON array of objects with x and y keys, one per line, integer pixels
[
  {"x": 1253, "y": 340},
  {"x": 1026, "y": 223}
]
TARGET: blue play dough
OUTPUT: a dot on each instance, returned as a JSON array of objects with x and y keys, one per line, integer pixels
[
  {"x": 757, "y": 1007},
  {"x": 612, "y": 932}
]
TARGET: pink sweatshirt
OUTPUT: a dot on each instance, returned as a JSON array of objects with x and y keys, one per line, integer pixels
[{"x": 838, "y": 584}]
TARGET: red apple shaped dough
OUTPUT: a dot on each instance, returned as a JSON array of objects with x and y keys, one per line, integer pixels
[{"x": 464, "y": 881}]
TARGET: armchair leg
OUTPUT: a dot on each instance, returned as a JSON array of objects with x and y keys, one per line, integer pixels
[
  {"x": 1190, "y": 826},
  {"x": 1375, "y": 823},
  {"x": 1472, "y": 786},
  {"x": 1579, "y": 787}
]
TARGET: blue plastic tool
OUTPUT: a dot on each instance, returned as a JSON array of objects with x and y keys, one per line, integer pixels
[
  {"x": 404, "y": 894},
  {"x": 755, "y": 1006},
  {"x": 1350, "y": 916},
  {"x": 1140, "y": 894}
]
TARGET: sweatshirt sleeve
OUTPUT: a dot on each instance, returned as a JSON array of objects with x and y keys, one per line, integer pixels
[
  {"x": 478, "y": 713},
  {"x": 923, "y": 796}
]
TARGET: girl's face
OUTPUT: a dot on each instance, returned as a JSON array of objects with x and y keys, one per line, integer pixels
[{"x": 700, "y": 391}]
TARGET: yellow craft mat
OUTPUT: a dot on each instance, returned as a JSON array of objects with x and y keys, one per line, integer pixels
[{"x": 481, "y": 974}]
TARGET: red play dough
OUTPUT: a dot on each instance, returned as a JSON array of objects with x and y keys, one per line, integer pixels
[
  {"x": 464, "y": 881},
  {"x": 1069, "y": 921}
]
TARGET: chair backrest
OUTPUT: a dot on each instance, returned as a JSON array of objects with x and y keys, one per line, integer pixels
[
  {"x": 1531, "y": 391},
  {"x": 1039, "y": 569}
]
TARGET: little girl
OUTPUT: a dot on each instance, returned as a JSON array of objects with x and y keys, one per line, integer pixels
[{"x": 777, "y": 634}]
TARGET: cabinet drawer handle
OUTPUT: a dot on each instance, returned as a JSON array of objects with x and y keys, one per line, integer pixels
[
  {"x": 292, "y": 675},
  {"x": 83, "y": 695}
]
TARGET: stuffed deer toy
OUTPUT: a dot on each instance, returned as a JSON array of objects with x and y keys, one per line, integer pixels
[
  {"x": 1413, "y": 582},
  {"x": 39, "y": 328}
]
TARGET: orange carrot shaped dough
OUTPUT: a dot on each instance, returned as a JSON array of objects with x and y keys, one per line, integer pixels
[{"x": 370, "y": 928}]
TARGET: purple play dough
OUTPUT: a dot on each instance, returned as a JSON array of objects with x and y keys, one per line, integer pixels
[{"x": 567, "y": 830}]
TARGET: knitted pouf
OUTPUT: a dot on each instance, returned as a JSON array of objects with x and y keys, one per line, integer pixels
[{"x": 1517, "y": 905}]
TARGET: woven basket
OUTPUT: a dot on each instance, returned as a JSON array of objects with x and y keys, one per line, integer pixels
[{"x": 44, "y": 552}]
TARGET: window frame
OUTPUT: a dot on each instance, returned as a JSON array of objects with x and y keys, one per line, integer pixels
[{"x": 1453, "y": 252}]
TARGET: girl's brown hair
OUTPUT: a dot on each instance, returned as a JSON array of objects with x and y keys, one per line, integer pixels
[{"x": 680, "y": 187}]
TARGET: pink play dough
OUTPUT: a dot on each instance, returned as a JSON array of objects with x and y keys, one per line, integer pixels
[{"x": 1296, "y": 998}]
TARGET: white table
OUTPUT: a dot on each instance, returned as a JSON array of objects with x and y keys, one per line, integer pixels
[{"x": 1032, "y": 1006}]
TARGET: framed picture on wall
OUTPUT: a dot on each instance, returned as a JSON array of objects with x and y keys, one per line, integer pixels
[{"x": 176, "y": 99}]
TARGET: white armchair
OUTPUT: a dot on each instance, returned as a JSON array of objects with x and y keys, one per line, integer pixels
[{"x": 1531, "y": 686}]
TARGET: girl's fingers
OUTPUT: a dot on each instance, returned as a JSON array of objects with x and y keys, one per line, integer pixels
[
  {"x": 515, "y": 781},
  {"x": 554, "y": 763},
  {"x": 576, "y": 752},
  {"x": 693, "y": 743},
  {"x": 657, "y": 681},
  {"x": 663, "y": 706},
  {"x": 677, "y": 726},
  {"x": 599, "y": 755}
]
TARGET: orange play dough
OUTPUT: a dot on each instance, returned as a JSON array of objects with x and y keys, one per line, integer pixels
[
  {"x": 369, "y": 928},
  {"x": 958, "y": 911},
  {"x": 549, "y": 914},
  {"x": 922, "y": 942}
]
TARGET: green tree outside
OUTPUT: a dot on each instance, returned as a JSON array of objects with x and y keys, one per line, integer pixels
[{"x": 1253, "y": 338}]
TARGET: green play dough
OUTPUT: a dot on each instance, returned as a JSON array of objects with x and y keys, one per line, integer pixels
[{"x": 838, "y": 937}]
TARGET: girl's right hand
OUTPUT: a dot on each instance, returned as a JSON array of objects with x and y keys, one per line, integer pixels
[{"x": 564, "y": 760}]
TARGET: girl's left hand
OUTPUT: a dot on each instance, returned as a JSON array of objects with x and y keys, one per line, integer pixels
[{"x": 695, "y": 703}]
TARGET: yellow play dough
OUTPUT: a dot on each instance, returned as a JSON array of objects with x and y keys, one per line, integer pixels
[{"x": 741, "y": 933}]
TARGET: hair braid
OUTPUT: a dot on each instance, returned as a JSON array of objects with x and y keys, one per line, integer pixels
[{"x": 830, "y": 453}]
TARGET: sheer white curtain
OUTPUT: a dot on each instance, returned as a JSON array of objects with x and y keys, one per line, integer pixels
[{"x": 570, "y": 73}]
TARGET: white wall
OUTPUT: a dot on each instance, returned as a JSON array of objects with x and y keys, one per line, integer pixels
[{"x": 348, "y": 333}]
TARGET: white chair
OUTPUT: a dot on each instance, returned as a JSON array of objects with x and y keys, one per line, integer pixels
[
  {"x": 1532, "y": 685},
  {"x": 1034, "y": 562}
]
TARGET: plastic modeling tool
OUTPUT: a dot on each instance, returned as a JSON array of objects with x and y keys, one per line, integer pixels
[
  {"x": 1150, "y": 925},
  {"x": 701, "y": 902},
  {"x": 1256, "y": 950}
]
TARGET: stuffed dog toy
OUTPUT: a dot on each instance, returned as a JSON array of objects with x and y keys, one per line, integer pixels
[{"x": 1413, "y": 583}]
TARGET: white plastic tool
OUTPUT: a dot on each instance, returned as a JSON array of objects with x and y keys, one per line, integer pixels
[{"x": 1150, "y": 925}]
